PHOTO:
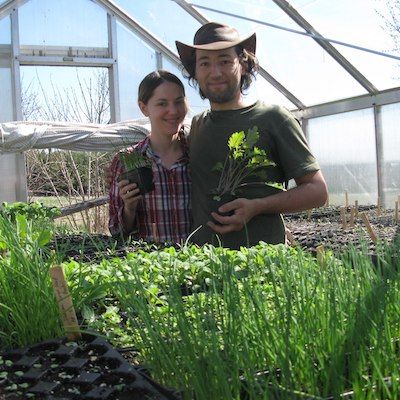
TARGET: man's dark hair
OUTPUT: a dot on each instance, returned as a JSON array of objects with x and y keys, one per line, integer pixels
[{"x": 248, "y": 59}]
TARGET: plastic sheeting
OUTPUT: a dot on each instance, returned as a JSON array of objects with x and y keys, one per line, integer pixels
[{"x": 21, "y": 136}]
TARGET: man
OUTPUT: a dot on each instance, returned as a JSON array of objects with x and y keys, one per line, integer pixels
[{"x": 223, "y": 66}]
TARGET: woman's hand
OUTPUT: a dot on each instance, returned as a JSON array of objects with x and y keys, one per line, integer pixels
[{"x": 129, "y": 193}]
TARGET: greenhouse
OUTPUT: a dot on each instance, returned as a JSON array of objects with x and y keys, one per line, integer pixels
[{"x": 98, "y": 304}]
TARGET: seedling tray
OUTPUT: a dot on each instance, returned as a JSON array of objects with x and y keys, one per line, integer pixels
[{"x": 89, "y": 369}]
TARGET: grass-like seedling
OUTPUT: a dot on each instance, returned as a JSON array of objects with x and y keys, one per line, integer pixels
[
  {"x": 287, "y": 328},
  {"x": 28, "y": 310}
]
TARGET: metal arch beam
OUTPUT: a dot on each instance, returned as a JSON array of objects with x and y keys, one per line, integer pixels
[
  {"x": 144, "y": 34},
  {"x": 328, "y": 47},
  {"x": 267, "y": 76},
  {"x": 384, "y": 97},
  {"x": 192, "y": 11},
  {"x": 9, "y": 5}
]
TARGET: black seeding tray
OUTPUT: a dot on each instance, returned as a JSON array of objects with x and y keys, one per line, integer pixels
[{"x": 87, "y": 369}]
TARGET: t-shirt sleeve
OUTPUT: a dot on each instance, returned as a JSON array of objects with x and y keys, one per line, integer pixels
[{"x": 295, "y": 156}]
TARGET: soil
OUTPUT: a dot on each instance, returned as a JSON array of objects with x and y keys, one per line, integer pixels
[{"x": 323, "y": 226}]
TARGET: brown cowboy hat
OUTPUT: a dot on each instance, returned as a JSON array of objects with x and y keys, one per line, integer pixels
[{"x": 214, "y": 36}]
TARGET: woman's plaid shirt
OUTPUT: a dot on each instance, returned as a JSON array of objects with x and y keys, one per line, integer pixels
[{"x": 163, "y": 215}]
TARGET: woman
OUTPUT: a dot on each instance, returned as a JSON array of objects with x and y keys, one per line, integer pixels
[{"x": 164, "y": 214}]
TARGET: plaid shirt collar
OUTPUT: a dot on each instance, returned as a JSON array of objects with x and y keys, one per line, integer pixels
[{"x": 145, "y": 148}]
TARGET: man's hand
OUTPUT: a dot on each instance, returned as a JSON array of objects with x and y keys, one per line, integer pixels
[{"x": 243, "y": 211}]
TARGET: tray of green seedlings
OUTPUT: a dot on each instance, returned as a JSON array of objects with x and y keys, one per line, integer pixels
[{"x": 264, "y": 322}]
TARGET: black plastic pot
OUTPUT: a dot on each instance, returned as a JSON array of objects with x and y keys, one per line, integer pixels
[
  {"x": 142, "y": 176},
  {"x": 214, "y": 204}
]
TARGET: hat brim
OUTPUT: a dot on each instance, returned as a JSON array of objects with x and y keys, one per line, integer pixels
[{"x": 186, "y": 51}]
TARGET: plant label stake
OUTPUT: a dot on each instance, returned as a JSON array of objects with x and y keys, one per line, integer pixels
[
  {"x": 65, "y": 305},
  {"x": 343, "y": 217},
  {"x": 371, "y": 232},
  {"x": 290, "y": 238},
  {"x": 352, "y": 217},
  {"x": 320, "y": 254},
  {"x": 155, "y": 234}
]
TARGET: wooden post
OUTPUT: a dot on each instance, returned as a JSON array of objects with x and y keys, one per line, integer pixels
[
  {"x": 65, "y": 304},
  {"x": 343, "y": 217},
  {"x": 356, "y": 207},
  {"x": 396, "y": 212},
  {"x": 346, "y": 194},
  {"x": 85, "y": 205},
  {"x": 370, "y": 230}
]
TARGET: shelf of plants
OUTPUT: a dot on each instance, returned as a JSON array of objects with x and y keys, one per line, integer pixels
[{"x": 268, "y": 322}]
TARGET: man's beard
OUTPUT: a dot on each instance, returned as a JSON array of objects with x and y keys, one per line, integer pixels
[{"x": 222, "y": 97}]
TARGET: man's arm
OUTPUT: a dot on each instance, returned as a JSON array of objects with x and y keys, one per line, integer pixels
[{"x": 311, "y": 191}]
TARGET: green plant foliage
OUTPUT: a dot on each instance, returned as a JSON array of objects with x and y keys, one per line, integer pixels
[
  {"x": 28, "y": 309},
  {"x": 267, "y": 322},
  {"x": 33, "y": 211},
  {"x": 244, "y": 160}
]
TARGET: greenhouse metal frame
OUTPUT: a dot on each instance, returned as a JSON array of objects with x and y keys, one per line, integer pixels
[{"x": 108, "y": 57}]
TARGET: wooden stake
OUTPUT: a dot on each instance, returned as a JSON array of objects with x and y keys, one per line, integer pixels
[
  {"x": 65, "y": 304},
  {"x": 378, "y": 206},
  {"x": 352, "y": 217},
  {"x": 356, "y": 207},
  {"x": 396, "y": 212},
  {"x": 290, "y": 238},
  {"x": 346, "y": 194},
  {"x": 370, "y": 230},
  {"x": 155, "y": 232},
  {"x": 343, "y": 217},
  {"x": 309, "y": 214},
  {"x": 320, "y": 253}
]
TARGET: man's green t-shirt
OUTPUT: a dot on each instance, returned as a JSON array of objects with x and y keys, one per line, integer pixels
[{"x": 284, "y": 142}]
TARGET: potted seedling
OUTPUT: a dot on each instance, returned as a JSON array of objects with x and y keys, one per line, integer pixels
[
  {"x": 244, "y": 160},
  {"x": 137, "y": 169}
]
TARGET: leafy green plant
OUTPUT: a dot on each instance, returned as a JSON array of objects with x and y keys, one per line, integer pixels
[
  {"x": 33, "y": 210},
  {"x": 243, "y": 160}
]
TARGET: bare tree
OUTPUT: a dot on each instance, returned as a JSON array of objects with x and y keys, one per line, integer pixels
[
  {"x": 392, "y": 22},
  {"x": 389, "y": 11},
  {"x": 65, "y": 175}
]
